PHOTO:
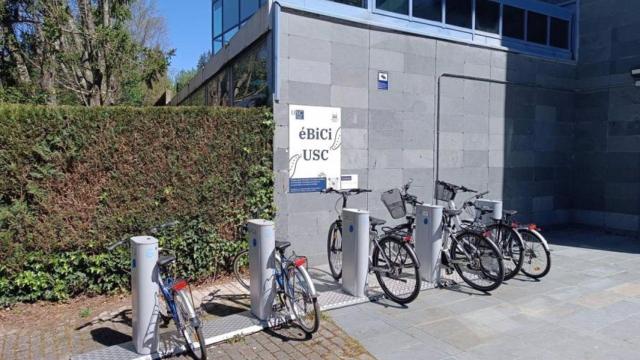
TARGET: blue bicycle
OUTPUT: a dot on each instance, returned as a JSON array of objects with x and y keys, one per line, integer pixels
[{"x": 178, "y": 301}]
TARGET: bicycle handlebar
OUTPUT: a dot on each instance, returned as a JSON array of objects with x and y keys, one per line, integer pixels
[
  {"x": 154, "y": 230},
  {"x": 344, "y": 192}
]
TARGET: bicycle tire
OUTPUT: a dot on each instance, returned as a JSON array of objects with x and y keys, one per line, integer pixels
[
  {"x": 531, "y": 240},
  {"x": 191, "y": 327},
  {"x": 511, "y": 246},
  {"x": 240, "y": 262},
  {"x": 399, "y": 262},
  {"x": 301, "y": 282},
  {"x": 334, "y": 249},
  {"x": 474, "y": 240}
]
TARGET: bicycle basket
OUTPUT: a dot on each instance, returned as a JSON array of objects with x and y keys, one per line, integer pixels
[
  {"x": 392, "y": 199},
  {"x": 444, "y": 192}
]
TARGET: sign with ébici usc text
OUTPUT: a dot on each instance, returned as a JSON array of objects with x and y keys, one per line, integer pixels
[{"x": 315, "y": 141}]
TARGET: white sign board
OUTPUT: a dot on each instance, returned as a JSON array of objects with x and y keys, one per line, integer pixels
[{"x": 315, "y": 141}]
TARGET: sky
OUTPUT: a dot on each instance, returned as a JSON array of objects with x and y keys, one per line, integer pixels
[{"x": 189, "y": 27}]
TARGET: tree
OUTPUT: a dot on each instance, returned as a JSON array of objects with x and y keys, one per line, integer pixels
[
  {"x": 82, "y": 49},
  {"x": 184, "y": 76}
]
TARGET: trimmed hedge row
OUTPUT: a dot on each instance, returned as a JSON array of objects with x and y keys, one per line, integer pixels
[{"x": 75, "y": 179}]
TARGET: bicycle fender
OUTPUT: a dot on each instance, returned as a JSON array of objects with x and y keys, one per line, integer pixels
[
  {"x": 542, "y": 238},
  {"x": 187, "y": 301},
  {"x": 307, "y": 278}
]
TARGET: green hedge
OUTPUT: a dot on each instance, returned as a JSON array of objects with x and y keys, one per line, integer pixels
[{"x": 73, "y": 180}]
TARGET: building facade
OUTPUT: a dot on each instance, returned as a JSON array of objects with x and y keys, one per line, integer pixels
[{"x": 531, "y": 100}]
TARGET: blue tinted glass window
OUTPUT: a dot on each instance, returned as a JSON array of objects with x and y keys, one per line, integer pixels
[
  {"x": 428, "y": 9},
  {"x": 459, "y": 13},
  {"x": 217, "y": 18},
  {"x": 488, "y": 16},
  {"x": 358, "y": 3},
  {"x": 229, "y": 34},
  {"x": 230, "y": 14},
  {"x": 217, "y": 45},
  {"x": 559, "y": 36},
  {"x": 513, "y": 22},
  {"x": 536, "y": 27},
  {"x": 247, "y": 8},
  {"x": 396, "y": 6}
]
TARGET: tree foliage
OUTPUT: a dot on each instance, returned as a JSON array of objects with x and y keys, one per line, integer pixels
[{"x": 78, "y": 51}]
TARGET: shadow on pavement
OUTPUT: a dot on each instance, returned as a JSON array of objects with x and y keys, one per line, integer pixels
[
  {"x": 289, "y": 332},
  {"x": 109, "y": 337},
  {"x": 593, "y": 239}
]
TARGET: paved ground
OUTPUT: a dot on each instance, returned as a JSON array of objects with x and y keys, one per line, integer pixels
[
  {"x": 330, "y": 342},
  {"x": 588, "y": 307}
]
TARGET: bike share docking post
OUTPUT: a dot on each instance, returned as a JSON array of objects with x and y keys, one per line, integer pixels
[
  {"x": 428, "y": 241},
  {"x": 262, "y": 244},
  {"x": 355, "y": 251},
  {"x": 144, "y": 293},
  {"x": 496, "y": 210}
]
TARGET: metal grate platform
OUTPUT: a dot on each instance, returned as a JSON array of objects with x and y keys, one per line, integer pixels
[{"x": 224, "y": 328}]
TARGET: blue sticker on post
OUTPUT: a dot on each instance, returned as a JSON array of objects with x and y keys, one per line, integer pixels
[
  {"x": 350, "y": 228},
  {"x": 133, "y": 263},
  {"x": 307, "y": 185},
  {"x": 426, "y": 221},
  {"x": 383, "y": 80},
  {"x": 254, "y": 242}
]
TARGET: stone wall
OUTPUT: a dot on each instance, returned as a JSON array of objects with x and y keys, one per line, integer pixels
[{"x": 511, "y": 139}]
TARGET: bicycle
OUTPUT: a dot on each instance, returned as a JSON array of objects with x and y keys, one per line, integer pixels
[
  {"x": 287, "y": 270},
  {"x": 499, "y": 231},
  {"x": 391, "y": 259},
  {"x": 467, "y": 251},
  {"x": 334, "y": 238},
  {"x": 178, "y": 302},
  {"x": 536, "y": 254},
  {"x": 295, "y": 290}
]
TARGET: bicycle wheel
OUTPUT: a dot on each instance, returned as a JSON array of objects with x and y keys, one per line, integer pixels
[
  {"x": 396, "y": 267},
  {"x": 334, "y": 249},
  {"x": 305, "y": 306},
  {"x": 537, "y": 259},
  {"x": 190, "y": 326},
  {"x": 477, "y": 260},
  {"x": 511, "y": 246},
  {"x": 241, "y": 268}
]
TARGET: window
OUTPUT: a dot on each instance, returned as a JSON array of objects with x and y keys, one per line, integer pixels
[
  {"x": 249, "y": 78},
  {"x": 488, "y": 16},
  {"x": 217, "y": 18},
  {"x": 230, "y": 13},
  {"x": 358, "y": 3},
  {"x": 459, "y": 13},
  {"x": 247, "y": 8},
  {"x": 428, "y": 9},
  {"x": 536, "y": 27},
  {"x": 559, "y": 36},
  {"x": 396, "y": 6},
  {"x": 217, "y": 45},
  {"x": 513, "y": 22},
  {"x": 229, "y": 34}
]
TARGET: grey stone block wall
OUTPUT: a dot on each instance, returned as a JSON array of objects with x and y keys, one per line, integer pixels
[
  {"x": 607, "y": 123},
  {"x": 514, "y": 141}
]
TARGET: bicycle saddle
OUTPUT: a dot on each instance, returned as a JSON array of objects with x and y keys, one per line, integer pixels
[
  {"x": 282, "y": 245},
  {"x": 375, "y": 221},
  {"x": 164, "y": 260},
  {"x": 450, "y": 212},
  {"x": 509, "y": 212}
]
